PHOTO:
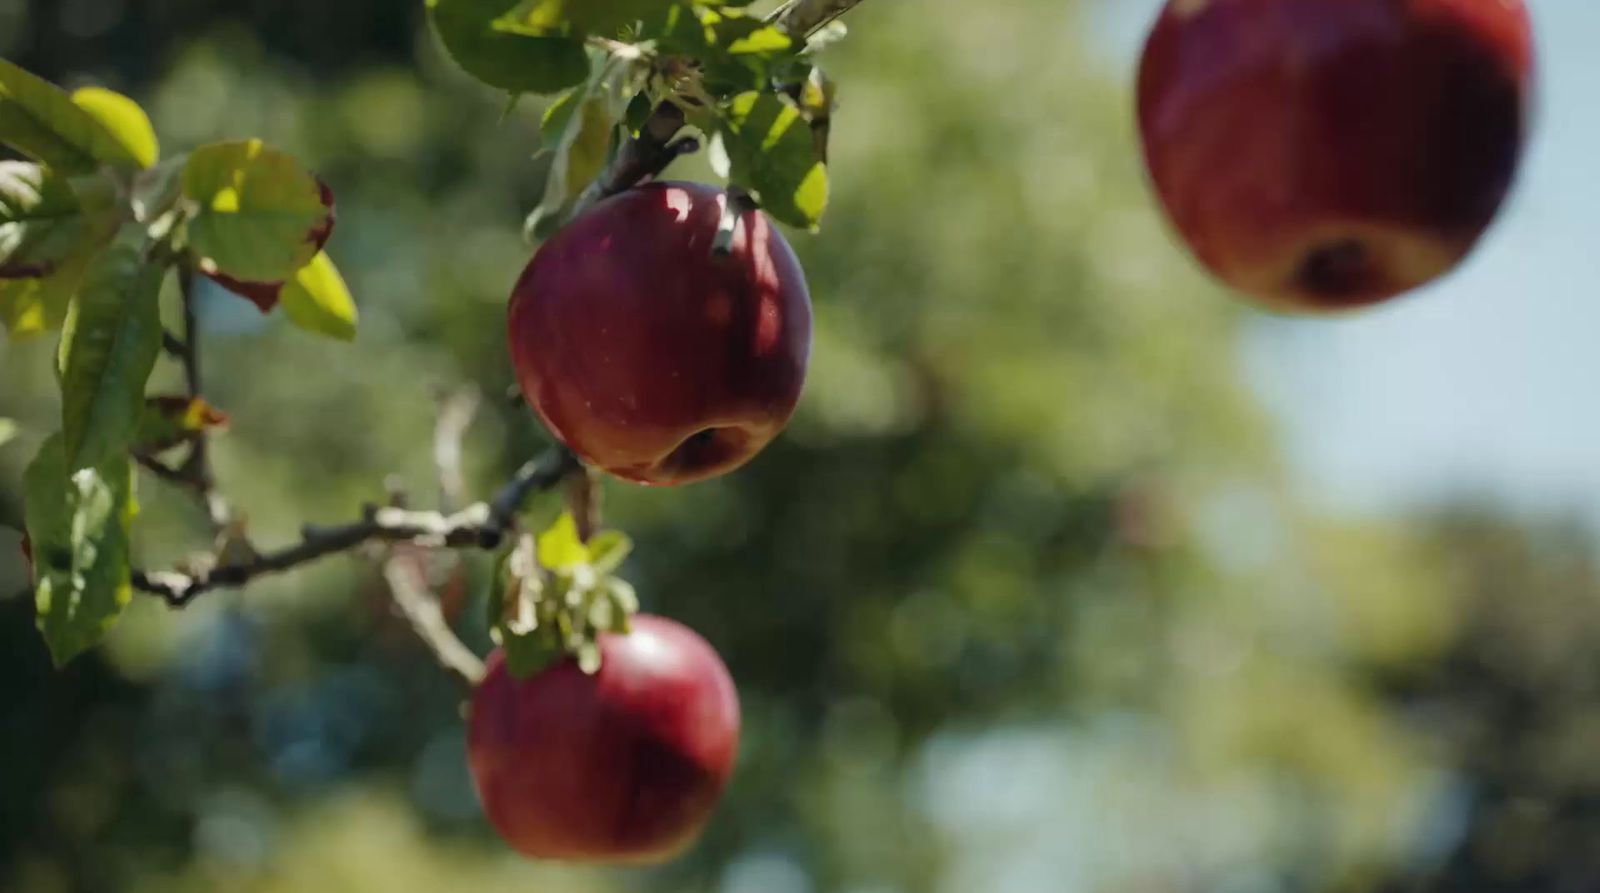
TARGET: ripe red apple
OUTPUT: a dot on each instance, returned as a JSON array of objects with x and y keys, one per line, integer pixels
[
  {"x": 648, "y": 353},
  {"x": 623, "y": 766},
  {"x": 1326, "y": 154},
  {"x": 265, "y": 294}
]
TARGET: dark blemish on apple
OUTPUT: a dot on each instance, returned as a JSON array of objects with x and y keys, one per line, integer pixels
[
  {"x": 1336, "y": 269},
  {"x": 706, "y": 449}
]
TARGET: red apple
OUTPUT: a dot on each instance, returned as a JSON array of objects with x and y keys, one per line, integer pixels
[
  {"x": 648, "y": 353},
  {"x": 265, "y": 294},
  {"x": 1326, "y": 154},
  {"x": 623, "y": 766}
]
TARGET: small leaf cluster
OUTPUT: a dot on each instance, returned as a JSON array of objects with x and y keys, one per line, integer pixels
[
  {"x": 554, "y": 595},
  {"x": 92, "y": 224},
  {"x": 748, "y": 85}
]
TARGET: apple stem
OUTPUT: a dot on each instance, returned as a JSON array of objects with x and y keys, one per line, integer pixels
[
  {"x": 583, "y": 501},
  {"x": 736, "y": 205},
  {"x": 642, "y": 157}
]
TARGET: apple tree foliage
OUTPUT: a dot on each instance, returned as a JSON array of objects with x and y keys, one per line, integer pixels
[
  {"x": 96, "y": 224},
  {"x": 92, "y": 227}
]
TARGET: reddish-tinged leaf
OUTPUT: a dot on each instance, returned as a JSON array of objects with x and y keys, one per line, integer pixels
[
  {"x": 265, "y": 294},
  {"x": 169, "y": 421}
]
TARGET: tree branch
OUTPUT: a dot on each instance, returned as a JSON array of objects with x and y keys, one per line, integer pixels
[
  {"x": 641, "y": 158},
  {"x": 482, "y": 525},
  {"x": 803, "y": 17}
]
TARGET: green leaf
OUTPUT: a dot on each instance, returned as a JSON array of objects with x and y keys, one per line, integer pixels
[
  {"x": 108, "y": 350},
  {"x": 316, "y": 299},
  {"x": 8, "y": 431},
  {"x": 78, "y": 525},
  {"x": 576, "y": 133},
  {"x": 560, "y": 549},
  {"x": 256, "y": 211},
  {"x": 41, "y": 121},
  {"x": 123, "y": 119},
  {"x": 775, "y": 156},
  {"x": 31, "y": 307},
  {"x": 736, "y": 51},
  {"x": 527, "y": 655},
  {"x": 493, "y": 49},
  {"x": 608, "y": 549},
  {"x": 40, "y": 220},
  {"x": 501, "y": 582},
  {"x": 616, "y": 602}
]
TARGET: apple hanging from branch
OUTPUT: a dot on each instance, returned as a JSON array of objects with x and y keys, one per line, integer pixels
[
  {"x": 625, "y": 765},
  {"x": 652, "y": 351},
  {"x": 1327, "y": 154}
]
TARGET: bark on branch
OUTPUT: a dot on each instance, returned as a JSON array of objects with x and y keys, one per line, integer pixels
[
  {"x": 481, "y": 525},
  {"x": 802, "y": 18}
]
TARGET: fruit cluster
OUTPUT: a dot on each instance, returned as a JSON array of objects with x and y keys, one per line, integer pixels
[{"x": 1315, "y": 154}]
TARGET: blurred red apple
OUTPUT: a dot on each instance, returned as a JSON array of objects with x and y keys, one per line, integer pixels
[
  {"x": 265, "y": 294},
  {"x": 1326, "y": 154},
  {"x": 623, "y": 766},
  {"x": 649, "y": 354}
]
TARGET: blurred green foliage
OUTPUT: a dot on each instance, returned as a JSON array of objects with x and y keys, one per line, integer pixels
[{"x": 1023, "y": 601}]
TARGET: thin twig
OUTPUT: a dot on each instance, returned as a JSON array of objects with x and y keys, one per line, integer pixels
[
  {"x": 481, "y": 525},
  {"x": 412, "y": 595},
  {"x": 195, "y": 473}
]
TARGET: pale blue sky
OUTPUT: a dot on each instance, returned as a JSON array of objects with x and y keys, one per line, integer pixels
[{"x": 1487, "y": 383}]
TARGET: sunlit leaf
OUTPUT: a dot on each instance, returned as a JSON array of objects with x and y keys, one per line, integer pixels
[
  {"x": 123, "y": 119},
  {"x": 733, "y": 50},
  {"x": 316, "y": 299},
  {"x": 257, "y": 211},
  {"x": 775, "y": 156},
  {"x": 41, "y": 121},
  {"x": 559, "y": 545},
  {"x": 40, "y": 220}
]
